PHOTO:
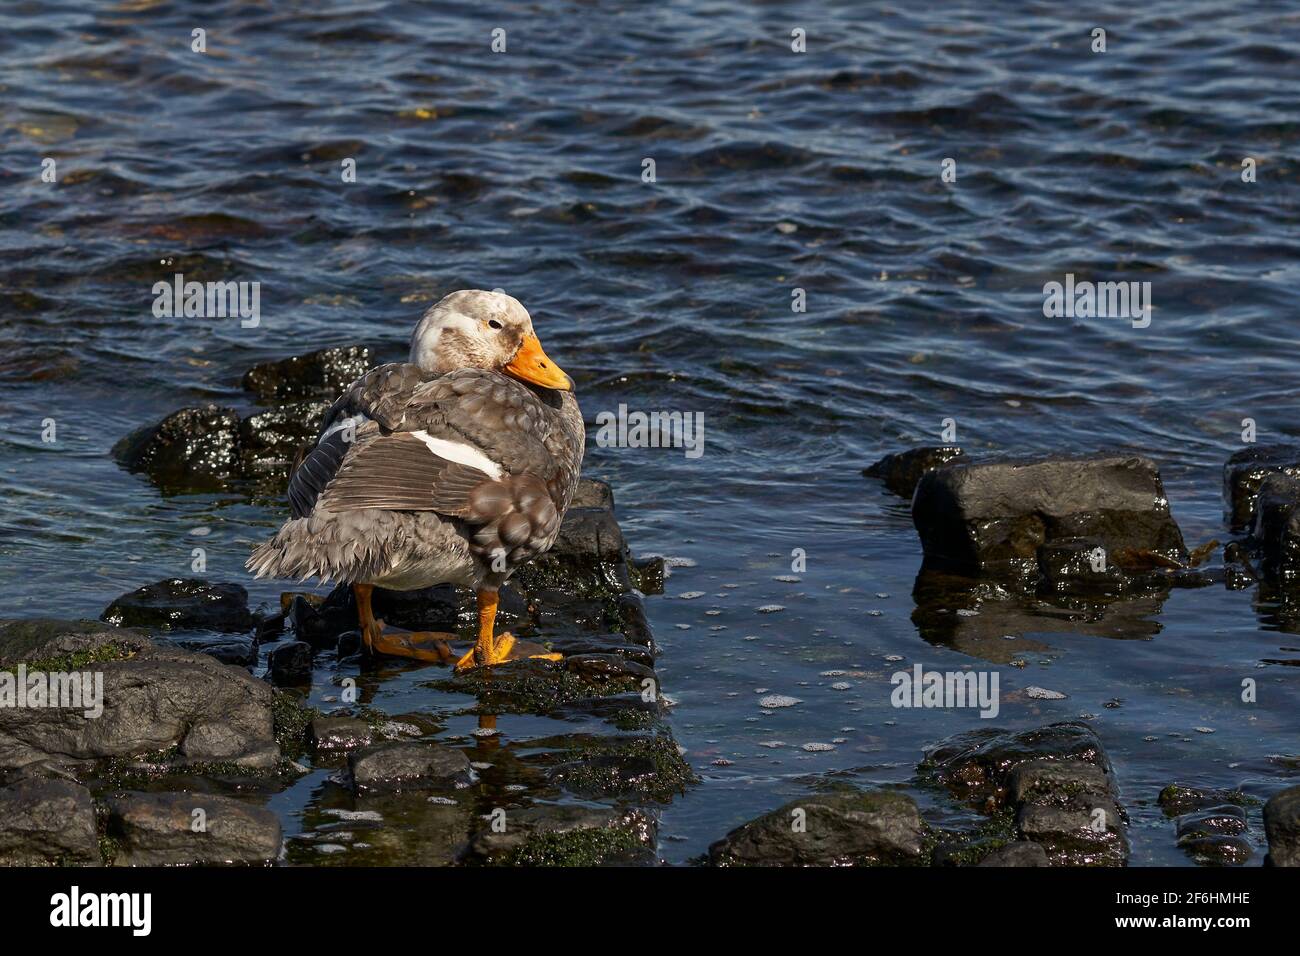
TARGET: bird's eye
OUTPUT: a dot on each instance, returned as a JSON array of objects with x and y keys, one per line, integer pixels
[{"x": 493, "y": 323}]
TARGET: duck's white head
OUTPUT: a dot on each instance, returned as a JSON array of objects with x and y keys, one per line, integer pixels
[{"x": 491, "y": 330}]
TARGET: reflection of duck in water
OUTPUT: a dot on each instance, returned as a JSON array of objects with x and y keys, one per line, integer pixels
[{"x": 455, "y": 467}]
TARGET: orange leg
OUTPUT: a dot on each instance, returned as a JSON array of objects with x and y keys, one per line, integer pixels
[
  {"x": 493, "y": 648},
  {"x": 390, "y": 642}
]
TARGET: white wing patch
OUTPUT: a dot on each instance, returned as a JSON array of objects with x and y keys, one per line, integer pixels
[{"x": 462, "y": 454}]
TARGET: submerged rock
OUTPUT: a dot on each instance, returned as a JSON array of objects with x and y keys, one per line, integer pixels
[
  {"x": 320, "y": 374},
  {"x": 1056, "y": 781},
  {"x": 1177, "y": 800},
  {"x": 566, "y": 836},
  {"x": 192, "y": 449},
  {"x": 416, "y": 765},
  {"x": 861, "y": 828},
  {"x": 648, "y": 767},
  {"x": 155, "y": 698},
  {"x": 1020, "y": 853},
  {"x": 902, "y": 470},
  {"x": 47, "y": 822},
  {"x": 171, "y": 829},
  {"x": 977, "y": 766},
  {"x": 1246, "y": 471},
  {"x": 183, "y": 604},
  {"x": 990, "y": 518},
  {"x": 1282, "y": 826},
  {"x": 1214, "y": 835},
  {"x": 339, "y": 733}
]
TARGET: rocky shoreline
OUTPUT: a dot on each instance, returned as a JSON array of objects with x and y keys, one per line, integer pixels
[{"x": 213, "y": 709}]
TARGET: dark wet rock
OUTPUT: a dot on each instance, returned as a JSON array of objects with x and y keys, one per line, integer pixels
[
  {"x": 565, "y": 836},
  {"x": 183, "y": 604},
  {"x": 990, "y": 518},
  {"x": 415, "y": 765},
  {"x": 269, "y": 441},
  {"x": 1246, "y": 471},
  {"x": 289, "y": 665},
  {"x": 902, "y": 470},
  {"x": 227, "y": 648},
  {"x": 320, "y": 374},
  {"x": 193, "y": 449},
  {"x": 593, "y": 493},
  {"x": 155, "y": 698},
  {"x": 339, "y": 733},
  {"x": 47, "y": 821},
  {"x": 1282, "y": 826},
  {"x": 1177, "y": 800},
  {"x": 1020, "y": 853},
  {"x": 648, "y": 574},
  {"x": 862, "y": 828},
  {"x": 603, "y": 669},
  {"x": 977, "y": 766},
  {"x": 1276, "y": 530},
  {"x": 1214, "y": 836},
  {"x": 1078, "y": 566},
  {"x": 579, "y": 644},
  {"x": 171, "y": 829}
]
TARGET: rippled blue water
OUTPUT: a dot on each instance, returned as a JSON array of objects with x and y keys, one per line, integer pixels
[{"x": 775, "y": 171}]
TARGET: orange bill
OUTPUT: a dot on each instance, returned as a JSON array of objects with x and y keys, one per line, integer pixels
[{"x": 531, "y": 365}]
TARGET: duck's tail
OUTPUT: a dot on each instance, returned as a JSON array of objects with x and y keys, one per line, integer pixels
[{"x": 347, "y": 547}]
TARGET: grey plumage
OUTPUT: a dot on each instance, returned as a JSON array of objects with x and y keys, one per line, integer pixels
[{"x": 373, "y": 502}]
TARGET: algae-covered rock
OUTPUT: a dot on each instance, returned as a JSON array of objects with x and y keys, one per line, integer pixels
[
  {"x": 648, "y": 767},
  {"x": 902, "y": 470},
  {"x": 170, "y": 829},
  {"x": 990, "y": 518},
  {"x": 861, "y": 828},
  {"x": 1177, "y": 800},
  {"x": 977, "y": 766},
  {"x": 1057, "y": 780},
  {"x": 565, "y": 836},
  {"x": 54, "y": 644},
  {"x": 47, "y": 822},
  {"x": 183, "y": 604}
]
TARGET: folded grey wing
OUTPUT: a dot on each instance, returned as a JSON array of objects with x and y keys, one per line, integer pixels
[{"x": 400, "y": 472}]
